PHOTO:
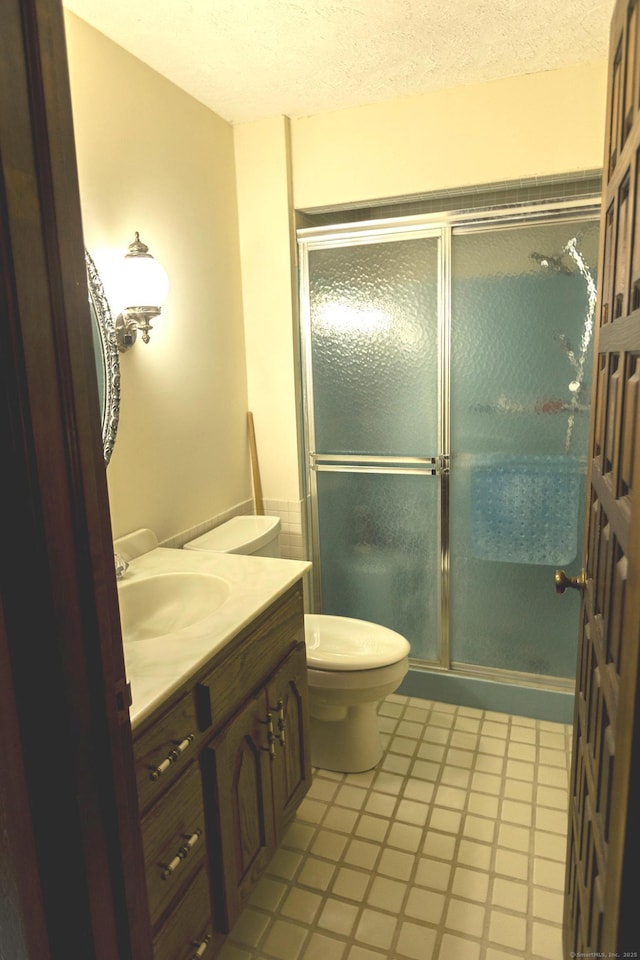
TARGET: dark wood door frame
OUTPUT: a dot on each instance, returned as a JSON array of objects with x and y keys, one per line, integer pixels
[{"x": 71, "y": 881}]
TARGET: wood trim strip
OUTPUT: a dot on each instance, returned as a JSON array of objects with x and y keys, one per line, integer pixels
[{"x": 618, "y": 337}]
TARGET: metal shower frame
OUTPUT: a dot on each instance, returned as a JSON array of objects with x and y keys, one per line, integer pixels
[{"x": 441, "y": 226}]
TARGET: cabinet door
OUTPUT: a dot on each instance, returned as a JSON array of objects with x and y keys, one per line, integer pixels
[
  {"x": 287, "y": 699},
  {"x": 237, "y": 783}
]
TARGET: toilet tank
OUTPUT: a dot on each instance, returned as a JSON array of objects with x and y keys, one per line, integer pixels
[{"x": 246, "y": 534}]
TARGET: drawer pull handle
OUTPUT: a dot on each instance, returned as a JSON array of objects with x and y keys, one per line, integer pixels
[
  {"x": 190, "y": 840},
  {"x": 172, "y": 757},
  {"x": 281, "y": 734},
  {"x": 271, "y": 737},
  {"x": 281, "y": 723},
  {"x": 201, "y": 947}
]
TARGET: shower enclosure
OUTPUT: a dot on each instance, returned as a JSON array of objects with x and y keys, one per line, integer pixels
[{"x": 446, "y": 385}]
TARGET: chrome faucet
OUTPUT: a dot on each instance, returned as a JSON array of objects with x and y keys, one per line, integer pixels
[{"x": 121, "y": 566}]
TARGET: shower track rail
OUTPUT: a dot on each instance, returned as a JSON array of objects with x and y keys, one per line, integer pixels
[{"x": 350, "y": 463}]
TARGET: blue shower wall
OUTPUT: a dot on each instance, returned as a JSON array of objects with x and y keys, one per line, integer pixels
[{"x": 523, "y": 701}]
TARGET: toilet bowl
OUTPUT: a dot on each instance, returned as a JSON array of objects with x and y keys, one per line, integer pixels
[{"x": 351, "y": 664}]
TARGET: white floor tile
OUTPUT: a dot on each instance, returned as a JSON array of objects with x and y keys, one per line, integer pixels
[{"x": 451, "y": 849}]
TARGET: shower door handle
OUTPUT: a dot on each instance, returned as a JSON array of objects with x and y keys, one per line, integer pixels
[{"x": 562, "y": 581}]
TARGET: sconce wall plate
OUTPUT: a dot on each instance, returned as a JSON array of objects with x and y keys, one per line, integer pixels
[{"x": 128, "y": 323}]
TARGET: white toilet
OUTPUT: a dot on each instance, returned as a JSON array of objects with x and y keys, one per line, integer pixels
[{"x": 351, "y": 664}]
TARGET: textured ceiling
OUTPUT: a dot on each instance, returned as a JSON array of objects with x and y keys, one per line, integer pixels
[{"x": 248, "y": 59}]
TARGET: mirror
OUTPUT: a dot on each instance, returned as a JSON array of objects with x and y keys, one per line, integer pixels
[{"x": 107, "y": 361}]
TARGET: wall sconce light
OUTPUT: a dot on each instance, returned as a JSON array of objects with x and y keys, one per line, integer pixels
[{"x": 144, "y": 285}]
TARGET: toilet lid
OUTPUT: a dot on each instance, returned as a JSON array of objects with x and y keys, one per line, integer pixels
[
  {"x": 243, "y": 534},
  {"x": 343, "y": 643}
]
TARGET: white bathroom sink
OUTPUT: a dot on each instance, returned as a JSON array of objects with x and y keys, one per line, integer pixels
[{"x": 168, "y": 602}]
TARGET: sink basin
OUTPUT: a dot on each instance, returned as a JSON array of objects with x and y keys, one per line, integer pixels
[{"x": 169, "y": 602}]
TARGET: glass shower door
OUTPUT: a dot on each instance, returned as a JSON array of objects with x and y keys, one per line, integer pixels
[
  {"x": 372, "y": 349},
  {"x": 522, "y": 302}
]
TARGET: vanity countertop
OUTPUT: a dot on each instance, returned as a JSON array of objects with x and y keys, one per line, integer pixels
[{"x": 158, "y": 666}]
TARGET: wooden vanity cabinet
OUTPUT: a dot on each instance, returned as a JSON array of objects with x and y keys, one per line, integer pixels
[{"x": 221, "y": 769}]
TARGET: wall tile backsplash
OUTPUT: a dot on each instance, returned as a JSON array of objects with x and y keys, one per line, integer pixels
[
  {"x": 291, "y": 515},
  {"x": 185, "y": 536}
]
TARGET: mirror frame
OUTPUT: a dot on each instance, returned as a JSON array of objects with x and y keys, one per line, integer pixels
[{"x": 110, "y": 359}]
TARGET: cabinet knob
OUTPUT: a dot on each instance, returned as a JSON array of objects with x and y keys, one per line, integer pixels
[
  {"x": 271, "y": 737},
  {"x": 281, "y": 736}
]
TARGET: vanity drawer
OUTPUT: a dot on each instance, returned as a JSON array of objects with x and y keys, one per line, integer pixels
[
  {"x": 164, "y": 750},
  {"x": 188, "y": 932},
  {"x": 173, "y": 841},
  {"x": 257, "y": 655}
]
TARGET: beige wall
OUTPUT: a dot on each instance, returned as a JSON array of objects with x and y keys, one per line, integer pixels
[
  {"x": 267, "y": 247},
  {"x": 528, "y": 126},
  {"x": 536, "y": 125},
  {"x": 152, "y": 159},
  {"x": 207, "y": 197}
]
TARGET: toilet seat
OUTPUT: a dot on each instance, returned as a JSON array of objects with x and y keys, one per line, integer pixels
[
  {"x": 356, "y": 679},
  {"x": 345, "y": 644}
]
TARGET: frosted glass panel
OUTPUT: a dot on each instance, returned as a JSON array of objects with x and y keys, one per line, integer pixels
[
  {"x": 374, "y": 342},
  {"x": 379, "y": 552},
  {"x": 517, "y": 330},
  {"x": 521, "y": 306}
]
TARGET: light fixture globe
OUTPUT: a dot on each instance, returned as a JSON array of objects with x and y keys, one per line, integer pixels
[{"x": 143, "y": 287}]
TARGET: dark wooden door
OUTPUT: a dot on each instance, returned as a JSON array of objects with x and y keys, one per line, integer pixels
[
  {"x": 602, "y": 915},
  {"x": 71, "y": 868}
]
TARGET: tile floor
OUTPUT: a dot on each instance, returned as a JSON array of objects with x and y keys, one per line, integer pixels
[{"x": 451, "y": 849}]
